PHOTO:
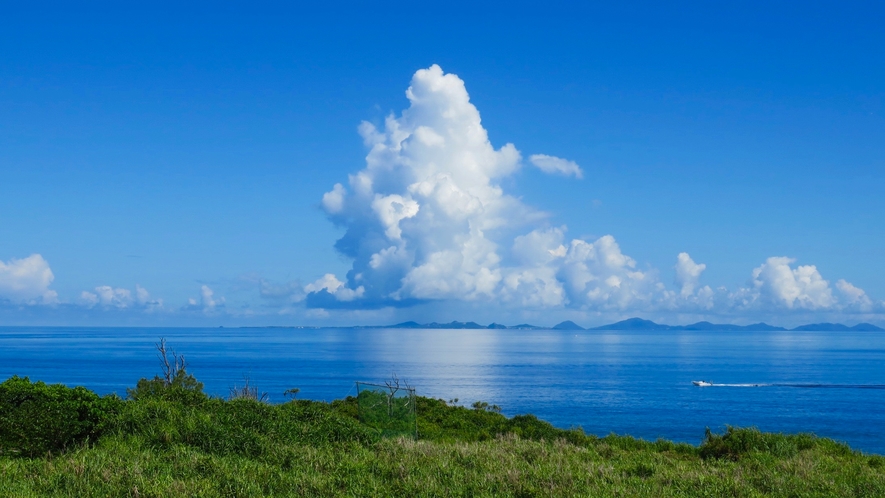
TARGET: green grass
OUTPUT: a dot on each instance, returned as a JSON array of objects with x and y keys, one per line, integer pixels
[{"x": 156, "y": 446}]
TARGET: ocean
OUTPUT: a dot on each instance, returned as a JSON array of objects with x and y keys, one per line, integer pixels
[{"x": 624, "y": 382}]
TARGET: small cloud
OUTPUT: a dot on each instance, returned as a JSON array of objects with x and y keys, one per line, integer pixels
[
  {"x": 143, "y": 298},
  {"x": 89, "y": 299},
  {"x": 207, "y": 303},
  {"x": 688, "y": 273},
  {"x": 207, "y": 298},
  {"x": 778, "y": 283},
  {"x": 553, "y": 164},
  {"x": 330, "y": 284},
  {"x": 854, "y": 296},
  {"x": 27, "y": 281},
  {"x": 117, "y": 298},
  {"x": 120, "y": 298}
]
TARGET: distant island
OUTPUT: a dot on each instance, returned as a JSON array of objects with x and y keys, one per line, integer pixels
[
  {"x": 640, "y": 324},
  {"x": 628, "y": 324},
  {"x": 460, "y": 325}
]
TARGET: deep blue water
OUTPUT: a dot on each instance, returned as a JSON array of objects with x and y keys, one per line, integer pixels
[{"x": 636, "y": 383}]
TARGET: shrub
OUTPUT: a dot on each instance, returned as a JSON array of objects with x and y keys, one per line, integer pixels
[
  {"x": 36, "y": 418},
  {"x": 183, "y": 388},
  {"x": 175, "y": 384},
  {"x": 439, "y": 421},
  {"x": 737, "y": 443}
]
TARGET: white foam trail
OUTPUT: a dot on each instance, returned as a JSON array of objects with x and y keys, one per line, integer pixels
[
  {"x": 742, "y": 385},
  {"x": 807, "y": 386}
]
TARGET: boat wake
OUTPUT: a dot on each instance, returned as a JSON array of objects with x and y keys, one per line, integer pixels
[
  {"x": 741, "y": 385},
  {"x": 833, "y": 386},
  {"x": 804, "y": 386}
]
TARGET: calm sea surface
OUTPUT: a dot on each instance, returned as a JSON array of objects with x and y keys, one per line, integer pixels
[{"x": 637, "y": 383}]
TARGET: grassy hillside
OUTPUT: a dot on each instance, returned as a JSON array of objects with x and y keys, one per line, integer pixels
[{"x": 169, "y": 439}]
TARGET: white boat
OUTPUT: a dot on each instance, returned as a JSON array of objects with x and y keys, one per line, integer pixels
[{"x": 702, "y": 383}]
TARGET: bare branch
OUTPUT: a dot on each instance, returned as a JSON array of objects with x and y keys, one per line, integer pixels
[
  {"x": 393, "y": 384},
  {"x": 164, "y": 361},
  {"x": 170, "y": 369}
]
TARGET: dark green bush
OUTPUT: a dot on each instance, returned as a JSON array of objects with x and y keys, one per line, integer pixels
[
  {"x": 439, "y": 421},
  {"x": 182, "y": 387},
  {"x": 36, "y": 418},
  {"x": 737, "y": 443},
  {"x": 175, "y": 384}
]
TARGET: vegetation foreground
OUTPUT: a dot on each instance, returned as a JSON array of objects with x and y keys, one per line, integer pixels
[{"x": 168, "y": 439}]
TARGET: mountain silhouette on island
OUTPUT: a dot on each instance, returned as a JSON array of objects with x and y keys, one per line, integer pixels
[
  {"x": 640, "y": 324},
  {"x": 460, "y": 325}
]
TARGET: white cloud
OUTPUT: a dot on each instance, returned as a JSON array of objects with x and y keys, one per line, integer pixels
[
  {"x": 778, "y": 286},
  {"x": 688, "y": 274},
  {"x": 207, "y": 298},
  {"x": 429, "y": 219},
  {"x": 418, "y": 216},
  {"x": 552, "y": 164},
  {"x": 333, "y": 286},
  {"x": 391, "y": 210},
  {"x": 333, "y": 201},
  {"x": 89, "y": 299},
  {"x": 143, "y": 298},
  {"x": 533, "y": 281},
  {"x": 423, "y": 218},
  {"x": 775, "y": 282},
  {"x": 854, "y": 296},
  {"x": 27, "y": 280},
  {"x": 117, "y": 297},
  {"x": 207, "y": 303},
  {"x": 598, "y": 275}
]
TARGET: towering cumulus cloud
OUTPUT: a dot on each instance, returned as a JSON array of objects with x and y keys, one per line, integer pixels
[
  {"x": 420, "y": 215},
  {"x": 428, "y": 219}
]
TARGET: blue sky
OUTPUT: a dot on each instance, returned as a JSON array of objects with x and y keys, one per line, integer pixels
[{"x": 168, "y": 165}]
